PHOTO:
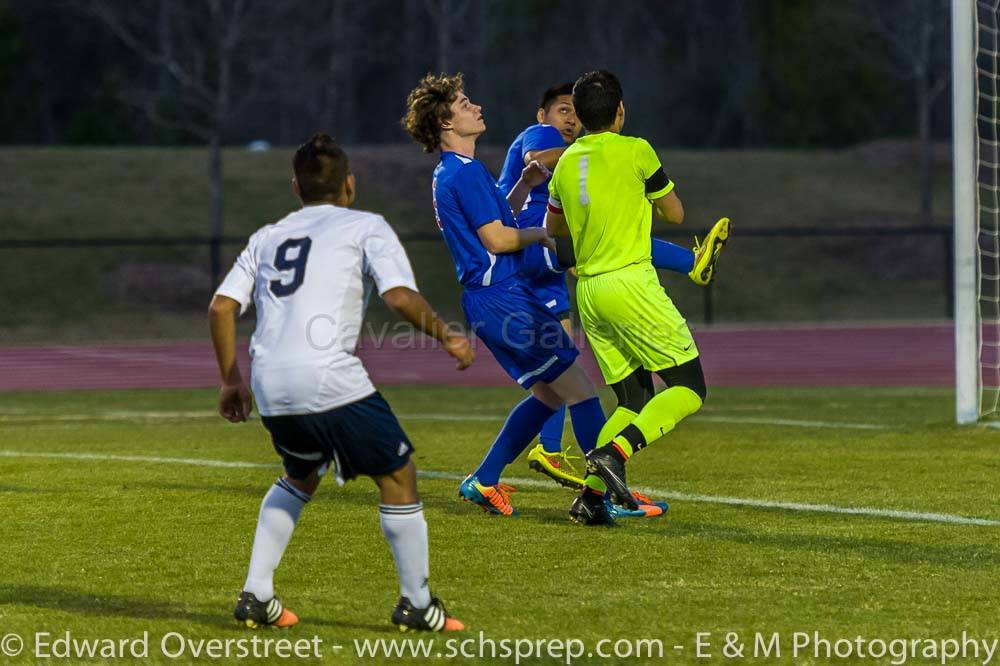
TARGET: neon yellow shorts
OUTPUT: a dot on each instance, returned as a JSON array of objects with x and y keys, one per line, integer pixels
[{"x": 631, "y": 322}]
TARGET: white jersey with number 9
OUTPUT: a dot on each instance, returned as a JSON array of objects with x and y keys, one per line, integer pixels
[{"x": 309, "y": 276}]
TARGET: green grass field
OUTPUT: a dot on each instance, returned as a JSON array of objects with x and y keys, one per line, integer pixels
[{"x": 111, "y": 530}]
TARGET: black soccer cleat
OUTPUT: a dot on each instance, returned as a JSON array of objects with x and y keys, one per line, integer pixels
[
  {"x": 589, "y": 508},
  {"x": 611, "y": 468},
  {"x": 433, "y": 618},
  {"x": 255, "y": 614}
]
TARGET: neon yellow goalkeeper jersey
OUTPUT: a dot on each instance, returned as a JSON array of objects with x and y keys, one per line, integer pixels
[{"x": 604, "y": 184}]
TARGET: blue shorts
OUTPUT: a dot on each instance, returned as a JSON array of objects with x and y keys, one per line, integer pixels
[
  {"x": 524, "y": 336},
  {"x": 539, "y": 265},
  {"x": 362, "y": 437},
  {"x": 552, "y": 292},
  {"x": 539, "y": 262}
]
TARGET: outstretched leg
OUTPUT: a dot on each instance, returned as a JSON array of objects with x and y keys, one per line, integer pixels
[
  {"x": 672, "y": 257},
  {"x": 697, "y": 263}
]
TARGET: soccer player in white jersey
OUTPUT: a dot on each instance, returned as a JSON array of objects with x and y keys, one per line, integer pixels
[{"x": 309, "y": 275}]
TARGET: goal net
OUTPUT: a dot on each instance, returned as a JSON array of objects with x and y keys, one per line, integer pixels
[
  {"x": 976, "y": 86},
  {"x": 988, "y": 204}
]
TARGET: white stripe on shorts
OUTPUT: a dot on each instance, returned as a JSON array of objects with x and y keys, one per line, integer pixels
[
  {"x": 545, "y": 366},
  {"x": 302, "y": 456}
]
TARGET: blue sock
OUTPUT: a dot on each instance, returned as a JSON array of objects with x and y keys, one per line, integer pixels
[
  {"x": 552, "y": 431},
  {"x": 522, "y": 425},
  {"x": 588, "y": 419},
  {"x": 672, "y": 257}
]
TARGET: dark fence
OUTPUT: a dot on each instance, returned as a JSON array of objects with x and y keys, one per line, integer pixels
[{"x": 214, "y": 245}]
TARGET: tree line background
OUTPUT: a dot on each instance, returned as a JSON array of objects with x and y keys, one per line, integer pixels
[
  {"x": 706, "y": 75},
  {"x": 697, "y": 73}
]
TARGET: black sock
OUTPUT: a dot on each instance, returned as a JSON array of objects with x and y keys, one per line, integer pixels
[{"x": 634, "y": 437}]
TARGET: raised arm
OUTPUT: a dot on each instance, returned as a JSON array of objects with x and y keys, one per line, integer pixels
[
  {"x": 532, "y": 175},
  {"x": 544, "y": 144},
  {"x": 548, "y": 157}
]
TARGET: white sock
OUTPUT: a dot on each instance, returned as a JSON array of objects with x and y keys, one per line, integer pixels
[
  {"x": 405, "y": 529},
  {"x": 278, "y": 514}
]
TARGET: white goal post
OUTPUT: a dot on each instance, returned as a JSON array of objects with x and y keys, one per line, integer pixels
[
  {"x": 964, "y": 72},
  {"x": 976, "y": 140}
]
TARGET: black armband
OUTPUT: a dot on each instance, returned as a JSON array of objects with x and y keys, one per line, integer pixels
[
  {"x": 657, "y": 181},
  {"x": 564, "y": 251}
]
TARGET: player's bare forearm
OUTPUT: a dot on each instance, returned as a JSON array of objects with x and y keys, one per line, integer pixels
[
  {"x": 222, "y": 325},
  {"x": 531, "y": 236},
  {"x": 235, "y": 402},
  {"x": 518, "y": 195},
  {"x": 533, "y": 175},
  {"x": 549, "y": 157},
  {"x": 500, "y": 239},
  {"x": 669, "y": 208},
  {"x": 414, "y": 308}
]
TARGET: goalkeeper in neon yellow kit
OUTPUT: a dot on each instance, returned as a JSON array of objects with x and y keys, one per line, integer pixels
[{"x": 601, "y": 194}]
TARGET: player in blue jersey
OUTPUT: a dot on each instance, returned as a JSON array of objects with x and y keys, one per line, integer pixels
[
  {"x": 487, "y": 246},
  {"x": 544, "y": 142},
  {"x": 557, "y": 127}
]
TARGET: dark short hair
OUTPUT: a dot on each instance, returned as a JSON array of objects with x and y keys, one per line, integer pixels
[
  {"x": 596, "y": 96},
  {"x": 321, "y": 168},
  {"x": 428, "y": 105},
  {"x": 554, "y": 93}
]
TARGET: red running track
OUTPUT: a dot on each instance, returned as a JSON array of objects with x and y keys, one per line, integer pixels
[{"x": 897, "y": 355}]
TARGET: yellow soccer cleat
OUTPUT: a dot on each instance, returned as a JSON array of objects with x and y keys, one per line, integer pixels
[
  {"x": 706, "y": 253},
  {"x": 557, "y": 466}
]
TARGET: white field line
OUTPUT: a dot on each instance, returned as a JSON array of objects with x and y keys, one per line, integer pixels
[
  {"x": 167, "y": 416},
  {"x": 124, "y": 415},
  {"x": 452, "y": 417},
  {"x": 106, "y": 416},
  {"x": 918, "y": 516},
  {"x": 872, "y": 512},
  {"x": 799, "y": 423},
  {"x": 143, "y": 459}
]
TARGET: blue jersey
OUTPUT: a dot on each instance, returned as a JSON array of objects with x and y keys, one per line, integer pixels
[
  {"x": 536, "y": 137},
  {"x": 465, "y": 198}
]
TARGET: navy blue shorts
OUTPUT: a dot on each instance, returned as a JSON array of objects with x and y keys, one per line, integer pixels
[
  {"x": 362, "y": 437},
  {"x": 524, "y": 336}
]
